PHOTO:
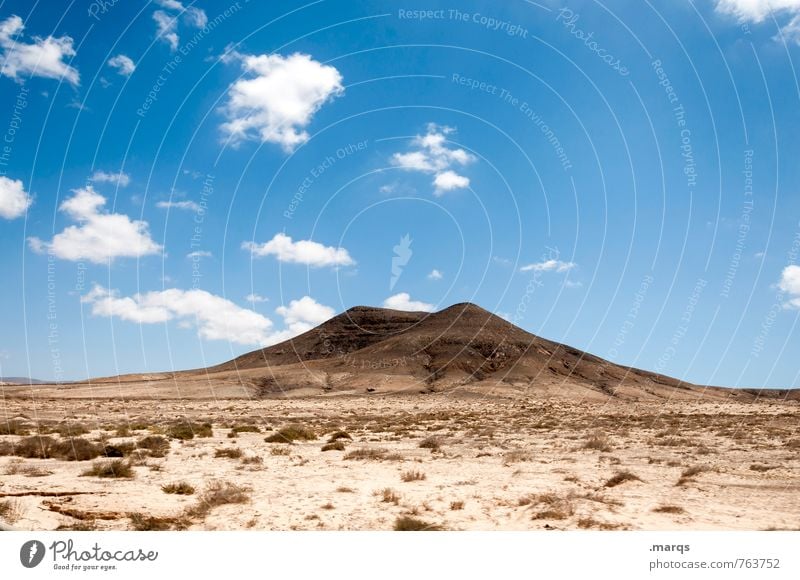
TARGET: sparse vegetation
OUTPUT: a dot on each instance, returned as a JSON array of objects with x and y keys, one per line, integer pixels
[
  {"x": 433, "y": 443},
  {"x": 411, "y": 524},
  {"x": 668, "y": 509},
  {"x": 116, "y": 468},
  {"x": 762, "y": 468},
  {"x": 229, "y": 453},
  {"x": 178, "y": 488},
  {"x": 621, "y": 477},
  {"x": 345, "y": 489},
  {"x": 335, "y": 446},
  {"x": 156, "y": 445},
  {"x": 456, "y": 505},
  {"x": 10, "y": 510},
  {"x": 339, "y": 435},
  {"x": 219, "y": 493},
  {"x": 388, "y": 495},
  {"x": 412, "y": 475},
  {"x": 291, "y": 434},
  {"x": 187, "y": 430},
  {"x": 548, "y": 506},
  {"x": 366, "y": 453},
  {"x": 280, "y": 451},
  {"x": 246, "y": 429},
  {"x": 690, "y": 472},
  {"x": 598, "y": 443},
  {"x": 144, "y": 523}
]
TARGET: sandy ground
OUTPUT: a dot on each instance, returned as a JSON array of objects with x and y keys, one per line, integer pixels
[{"x": 487, "y": 464}]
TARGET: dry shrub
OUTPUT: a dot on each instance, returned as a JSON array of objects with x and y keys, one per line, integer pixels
[
  {"x": 409, "y": 524},
  {"x": 668, "y": 509},
  {"x": 291, "y": 434},
  {"x": 433, "y": 443},
  {"x": 219, "y": 493},
  {"x": 690, "y": 472},
  {"x": 116, "y": 468},
  {"x": 412, "y": 475},
  {"x": 550, "y": 506},
  {"x": 388, "y": 495},
  {"x": 621, "y": 477},
  {"x": 10, "y": 510},
  {"x": 335, "y": 446},
  {"x": 456, "y": 505},
  {"x": 14, "y": 427},
  {"x": 598, "y": 443},
  {"x": 363, "y": 454},
  {"x": 155, "y": 444},
  {"x": 178, "y": 488},
  {"x": 246, "y": 429},
  {"x": 229, "y": 453},
  {"x": 280, "y": 451},
  {"x": 187, "y": 430},
  {"x": 339, "y": 435}
]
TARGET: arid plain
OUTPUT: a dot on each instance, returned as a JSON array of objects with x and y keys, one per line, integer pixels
[{"x": 400, "y": 462}]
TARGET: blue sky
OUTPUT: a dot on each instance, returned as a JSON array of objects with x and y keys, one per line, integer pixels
[{"x": 183, "y": 182}]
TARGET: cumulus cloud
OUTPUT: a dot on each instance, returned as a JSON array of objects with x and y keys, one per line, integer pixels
[
  {"x": 166, "y": 28},
  {"x": 300, "y": 252},
  {"x": 304, "y": 314},
  {"x": 435, "y": 275},
  {"x": 278, "y": 97},
  {"x": 99, "y": 236},
  {"x": 183, "y": 205},
  {"x": 253, "y": 298},
  {"x": 432, "y": 155},
  {"x": 14, "y": 200},
  {"x": 44, "y": 57},
  {"x": 121, "y": 178},
  {"x": 167, "y": 20},
  {"x": 790, "y": 284},
  {"x": 215, "y": 317},
  {"x": 402, "y": 301},
  {"x": 123, "y": 64},
  {"x": 199, "y": 254},
  {"x": 757, "y": 11},
  {"x": 549, "y": 266}
]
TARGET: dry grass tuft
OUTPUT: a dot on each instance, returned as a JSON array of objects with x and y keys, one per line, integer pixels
[
  {"x": 335, "y": 446},
  {"x": 229, "y": 453},
  {"x": 178, "y": 488},
  {"x": 668, "y": 509},
  {"x": 412, "y": 475}
]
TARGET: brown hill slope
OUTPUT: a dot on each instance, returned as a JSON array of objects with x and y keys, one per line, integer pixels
[{"x": 461, "y": 349}]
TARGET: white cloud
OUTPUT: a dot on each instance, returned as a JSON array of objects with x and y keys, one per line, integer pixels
[
  {"x": 123, "y": 64},
  {"x": 571, "y": 284},
  {"x": 278, "y": 97},
  {"x": 199, "y": 254},
  {"x": 256, "y": 298},
  {"x": 184, "y": 205},
  {"x": 120, "y": 178},
  {"x": 757, "y": 11},
  {"x": 549, "y": 266},
  {"x": 100, "y": 236},
  {"x": 402, "y": 301},
  {"x": 435, "y": 275},
  {"x": 167, "y": 22},
  {"x": 433, "y": 156},
  {"x": 790, "y": 284},
  {"x": 215, "y": 317},
  {"x": 304, "y": 314},
  {"x": 166, "y": 28},
  {"x": 449, "y": 180},
  {"x": 14, "y": 200},
  {"x": 44, "y": 57},
  {"x": 300, "y": 252}
]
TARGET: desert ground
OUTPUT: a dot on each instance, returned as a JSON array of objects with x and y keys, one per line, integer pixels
[{"x": 399, "y": 462}]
